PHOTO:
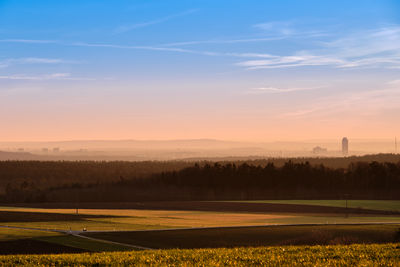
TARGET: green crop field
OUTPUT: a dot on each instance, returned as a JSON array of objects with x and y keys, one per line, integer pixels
[
  {"x": 352, "y": 255},
  {"x": 150, "y": 221},
  {"x": 117, "y": 219},
  {"x": 14, "y": 234},
  {"x": 147, "y": 219},
  {"x": 387, "y": 205},
  {"x": 324, "y": 227},
  {"x": 82, "y": 243},
  {"x": 206, "y": 238},
  {"x": 255, "y": 236}
]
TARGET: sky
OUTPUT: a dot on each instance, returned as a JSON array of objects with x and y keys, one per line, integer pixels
[{"x": 230, "y": 70}]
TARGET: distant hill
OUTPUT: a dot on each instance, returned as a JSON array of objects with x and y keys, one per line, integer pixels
[
  {"x": 18, "y": 156},
  {"x": 190, "y": 149},
  {"x": 129, "y": 144}
]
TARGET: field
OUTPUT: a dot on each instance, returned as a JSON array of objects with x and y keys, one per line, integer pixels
[
  {"x": 167, "y": 225},
  {"x": 388, "y": 205},
  {"x": 254, "y": 236},
  {"x": 189, "y": 214},
  {"x": 353, "y": 255}
]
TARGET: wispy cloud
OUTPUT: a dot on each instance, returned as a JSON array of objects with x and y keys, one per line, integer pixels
[
  {"x": 164, "y": 48},
  {"x": 274, "y": 31},
  {"x": 262, "y": 90},
  {"x": 376, "y": 48},
  {"x": 394, "y": 82},
  {"x": 35, "y": 60},
  {"x": 287, "y": 29},
  {"x": 151, "y": 48},
  {"x": 221, "y": 41},
  {"x": 181, "y": 50},
  {"x": 172, "y": 49},
  {"x": 351, "y": 103},
  {"x": 45, "y": 77},
  {"x": 300, "y": 112},
  {"x": 366, "y": 49},
  {"x": 297, "y": 60},
  {"x": 130, "y": 27},
  {"x": 368, "y": 42},
  {"x": 27, "y": 41},
  {"x": 130, "y": 47},
  {"x": 276, "y": 27}
]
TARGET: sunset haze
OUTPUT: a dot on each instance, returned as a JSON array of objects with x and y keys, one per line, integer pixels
[{"x": 227, "y": 70}]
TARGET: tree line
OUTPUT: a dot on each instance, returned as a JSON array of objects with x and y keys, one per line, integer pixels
[{"x": 207, "y": 181}]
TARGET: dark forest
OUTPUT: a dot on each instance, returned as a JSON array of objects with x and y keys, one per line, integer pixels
[{"x": 33, "y": 181}]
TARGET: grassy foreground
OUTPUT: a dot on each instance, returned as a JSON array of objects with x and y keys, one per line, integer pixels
[{"x": 353, "y": 255}]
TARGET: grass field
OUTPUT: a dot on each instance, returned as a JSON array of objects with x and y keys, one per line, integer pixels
[
  {"x": 208, "y": 237},
  {"x": 15, "y": 241},
  {"x": 115, "y": 219},
  {"x": 141, "y": 219},
  {"x": 82, "y": 243},
  {"x": 388, "y": 205},
  {"x": 255, "y": 236},
  {"x": 13, "y": 234},
  {"x": 211, "y": 215},
  {"x": 164, "y": 215},
  {"x": 353, "y": 255}
]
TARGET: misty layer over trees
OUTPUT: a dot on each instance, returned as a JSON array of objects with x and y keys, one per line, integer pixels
[{"x": 34, "y": 181}]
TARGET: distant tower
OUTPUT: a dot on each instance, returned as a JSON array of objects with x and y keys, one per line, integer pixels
[
  {"x": 345, "y": 146},
  {"x": 395, "y": 145}
]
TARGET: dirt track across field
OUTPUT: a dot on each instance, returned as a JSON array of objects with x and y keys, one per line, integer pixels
[{"x": 216, "y": 206}]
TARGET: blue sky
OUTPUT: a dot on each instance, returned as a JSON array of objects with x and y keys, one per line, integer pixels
[{"x": 241, "y": 70}]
